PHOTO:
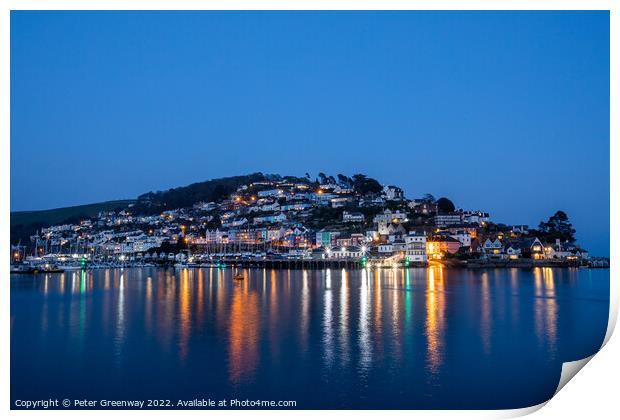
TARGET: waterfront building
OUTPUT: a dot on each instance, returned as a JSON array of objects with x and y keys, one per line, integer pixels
[
  {"x": 513, "y": 250},
  {"x": 385, "y": 249},
  {"x": 326, "y": 238},
  {"x": 415, "y": 247},
  {"x": 532, "y": 248},
  {"x": 437, "y": 247},
  {"x": 347, "y": 252},
  {"x": 493, "y": 248}
]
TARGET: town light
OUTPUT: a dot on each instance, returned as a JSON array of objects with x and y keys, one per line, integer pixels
[{"x": 363, "y": 249}]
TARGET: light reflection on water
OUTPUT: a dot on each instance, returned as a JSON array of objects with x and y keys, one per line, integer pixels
[
  {"x": 419, "y": 330},
  {"x": 435, "y": 307}
]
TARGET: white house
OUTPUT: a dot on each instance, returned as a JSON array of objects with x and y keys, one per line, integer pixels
[
  {"x": 493, "y": 248},
  {"x": 415, "y": 247},
  {"x": 523, "y": 229},
  {"x": 352, "y": 217},
  {"x": 271, "y": 193},
  {"x": 388, "y": 216},
  {"x": 443, "y": 220},
  {"x": 386, "y": 248},
  {"x": 463, "y": 237},
  {"x": 235, "y": 222},
  {"x": 391, "y": 192},
  {"x": 513, "y": 251},
  {"x": 295, "y": 206},
  {"x": 274, "y": 218},
  {"x": 346, "y": 252},
  {"x": 475, "y": 217},
  {"x": 339, "y": 201}
]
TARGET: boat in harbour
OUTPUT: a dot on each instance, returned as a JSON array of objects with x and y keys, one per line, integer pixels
[{"x": 25, "y": 268}]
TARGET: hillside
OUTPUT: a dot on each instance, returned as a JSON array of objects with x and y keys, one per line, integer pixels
[
  {"x": 25, "y": 223},
  {"x": 212, "y": 190}
]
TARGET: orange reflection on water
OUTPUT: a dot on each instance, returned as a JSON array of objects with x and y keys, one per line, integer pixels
[
  {"x": 274, "y": 315},
  {"x": 485, "y": 307},
  {"x": 244, "y": 333},
  {"x": 148, "y": 305},
  {"x": 200, "y": 299},
  {"x": 184, "y": 313},
  {"x": 377, "y": 305},
  {"x": 435, "y": 323},
  {"x": 538, "y": 304},
  {"x": 63, "y": 280},
  {"x": 546, "y": 312}
]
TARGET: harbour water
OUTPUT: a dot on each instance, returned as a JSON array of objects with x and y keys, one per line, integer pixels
[{"x": 414, "y": 338}]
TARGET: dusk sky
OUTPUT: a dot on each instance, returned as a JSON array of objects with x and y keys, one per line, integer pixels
[{"x": 505, "y": 112}]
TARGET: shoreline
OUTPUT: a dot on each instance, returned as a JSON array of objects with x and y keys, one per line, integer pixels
[{"x": 329, "y": 264}]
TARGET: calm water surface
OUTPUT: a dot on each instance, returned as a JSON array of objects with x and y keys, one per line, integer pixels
[{"x": 417, "y": 338}]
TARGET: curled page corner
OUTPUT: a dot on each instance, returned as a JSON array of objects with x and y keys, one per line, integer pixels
[
  {"x": 520, "y": 412},
  {"x": 613, "y": 317},
  {"x": 570, "y": 369}
]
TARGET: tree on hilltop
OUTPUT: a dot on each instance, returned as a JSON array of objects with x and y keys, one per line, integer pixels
[
  {"x": 345, "y": 181},
  {"x": 364, "y": 185},
  {"x": 444, "y": 205},
  {"x": 557, "y": 227}
]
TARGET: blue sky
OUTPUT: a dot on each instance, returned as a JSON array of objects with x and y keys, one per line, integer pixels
[{"x": 503, "y": 111}]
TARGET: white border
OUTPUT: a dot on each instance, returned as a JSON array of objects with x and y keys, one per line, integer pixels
[{"x": 596, "y": 387}]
